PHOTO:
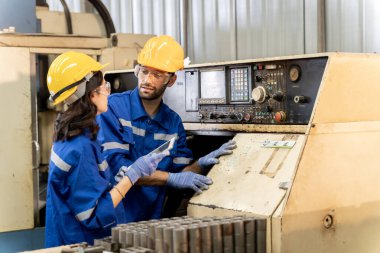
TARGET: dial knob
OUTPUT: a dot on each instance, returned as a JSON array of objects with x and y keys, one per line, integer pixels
[
  {"x": 280, "y": 116},
  {"x": 259, "y": 94},
  {"x": 200, "y": 116}
]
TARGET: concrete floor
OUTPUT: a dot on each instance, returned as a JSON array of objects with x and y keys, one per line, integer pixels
[{"x": 22, "y": 240}]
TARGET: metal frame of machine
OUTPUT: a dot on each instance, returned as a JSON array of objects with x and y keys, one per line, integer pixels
[
  {"x": 27, "y": 134},
  {"x": 321, "y": 195}
]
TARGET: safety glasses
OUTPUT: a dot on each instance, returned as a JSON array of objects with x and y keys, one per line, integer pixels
[
  {"x": 107, "y": 86},
  {"x": 157, "y": 75}
]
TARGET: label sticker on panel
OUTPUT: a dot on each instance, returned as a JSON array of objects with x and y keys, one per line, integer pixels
[{"x": 278, "y": 144}]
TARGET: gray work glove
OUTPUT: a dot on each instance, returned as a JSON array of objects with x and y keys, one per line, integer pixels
[
  {"x": 212, "y": 158},
  {"x": 189, "y": 180},
  {"x": 144, "y": 166}
]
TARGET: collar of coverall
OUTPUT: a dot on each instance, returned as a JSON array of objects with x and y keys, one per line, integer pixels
[{"x": 139, "y": 112}]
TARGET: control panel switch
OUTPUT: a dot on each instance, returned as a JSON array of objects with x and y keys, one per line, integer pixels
[
  {"x": 278, "y": 96},
  {"x": 280, "y": 116},
  {"x": 300, "y": 99}
]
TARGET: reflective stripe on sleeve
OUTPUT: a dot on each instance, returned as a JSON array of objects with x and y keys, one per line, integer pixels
[
  {"x": 110, "y": 224},
  {"x": 124, "y": 122},
  {"x": 84, "y": 215},
  {"x": 181, "y": 160},
  {"x": 164, "y": 137},
  {"x": 62, "y": 165},
  {"x": 114, "y": 145},
  {"x": 103, "y": 166},
  {"x": 138, "y": 131}
]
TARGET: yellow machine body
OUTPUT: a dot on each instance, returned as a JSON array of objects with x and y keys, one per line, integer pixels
[{"x": 322, "y": 194}]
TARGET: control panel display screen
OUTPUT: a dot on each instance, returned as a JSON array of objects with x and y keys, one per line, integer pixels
[{"x": 213, "y": 86}]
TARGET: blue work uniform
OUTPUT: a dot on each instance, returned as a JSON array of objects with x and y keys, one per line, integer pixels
[
  {"x": 79, "y": 207},
  {"x": 127, "y": 133}
]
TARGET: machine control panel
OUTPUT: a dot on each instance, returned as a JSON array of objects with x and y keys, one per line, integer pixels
[
  {"x": 268, "y": 92},
  {"x": 278, "y": 92}
]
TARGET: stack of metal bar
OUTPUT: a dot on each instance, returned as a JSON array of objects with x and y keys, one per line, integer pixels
[{"x": 236, "y": 234}]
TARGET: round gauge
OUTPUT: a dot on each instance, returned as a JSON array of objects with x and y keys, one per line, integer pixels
[
  {"x": 116, "y": 84},
  {"x": 294, "y": 73}
]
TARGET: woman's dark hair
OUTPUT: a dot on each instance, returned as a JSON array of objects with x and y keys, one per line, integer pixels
[{"x": 80, "y": 116}]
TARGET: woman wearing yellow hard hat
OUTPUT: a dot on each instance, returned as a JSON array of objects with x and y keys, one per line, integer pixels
[{"x": 82, "y": 203}]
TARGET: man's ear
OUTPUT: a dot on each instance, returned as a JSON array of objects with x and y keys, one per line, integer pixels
[
  {"x": 172, "y": 80},
  {"x": 137, "y": 69}
]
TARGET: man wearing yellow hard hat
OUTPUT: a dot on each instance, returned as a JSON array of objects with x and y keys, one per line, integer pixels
[{"x": 138, "y": 121}]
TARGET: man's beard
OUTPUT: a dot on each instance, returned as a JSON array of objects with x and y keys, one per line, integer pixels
[{"x": 156, "y": 93}]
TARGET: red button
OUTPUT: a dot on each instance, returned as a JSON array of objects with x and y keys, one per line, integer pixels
[{"x": 280, "y": 116}]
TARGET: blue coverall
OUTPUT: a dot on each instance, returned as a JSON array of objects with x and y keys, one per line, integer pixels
[
  {"x": 79, "y": 207},
  {"x": 128, "y": 132}
]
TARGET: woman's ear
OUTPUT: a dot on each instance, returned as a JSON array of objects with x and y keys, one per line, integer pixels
[{"x": 93, "y": 95}]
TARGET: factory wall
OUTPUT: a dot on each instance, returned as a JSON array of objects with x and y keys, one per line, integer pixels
[{"x": 220, "y": 30}]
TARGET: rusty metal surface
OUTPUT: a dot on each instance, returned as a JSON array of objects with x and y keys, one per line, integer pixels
[{"x": 249, "y": 181}]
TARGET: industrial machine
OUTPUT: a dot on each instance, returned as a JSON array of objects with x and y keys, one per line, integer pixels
[
  {"x": 28, "y": 116},
  {"x": 307, "y": 130},
  {"x": 27, "y": 136}
]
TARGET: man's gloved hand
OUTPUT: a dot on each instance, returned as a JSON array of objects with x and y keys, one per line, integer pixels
[
  {"x": 185, "y": 180},
  {"x": 144, "y": 166},
  {"x": 212, "y": 158}
]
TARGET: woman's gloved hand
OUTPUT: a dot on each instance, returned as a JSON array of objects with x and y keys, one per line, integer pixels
[
  {"x": 144, "y": 166},
  {"x": 212, "y": 158},
  {"x": 186, "y": 180}
]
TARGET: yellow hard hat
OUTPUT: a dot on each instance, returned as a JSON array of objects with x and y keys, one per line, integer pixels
[
  {"x": 67, "y": 71},
  {"x": 162, "y": 53}
]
